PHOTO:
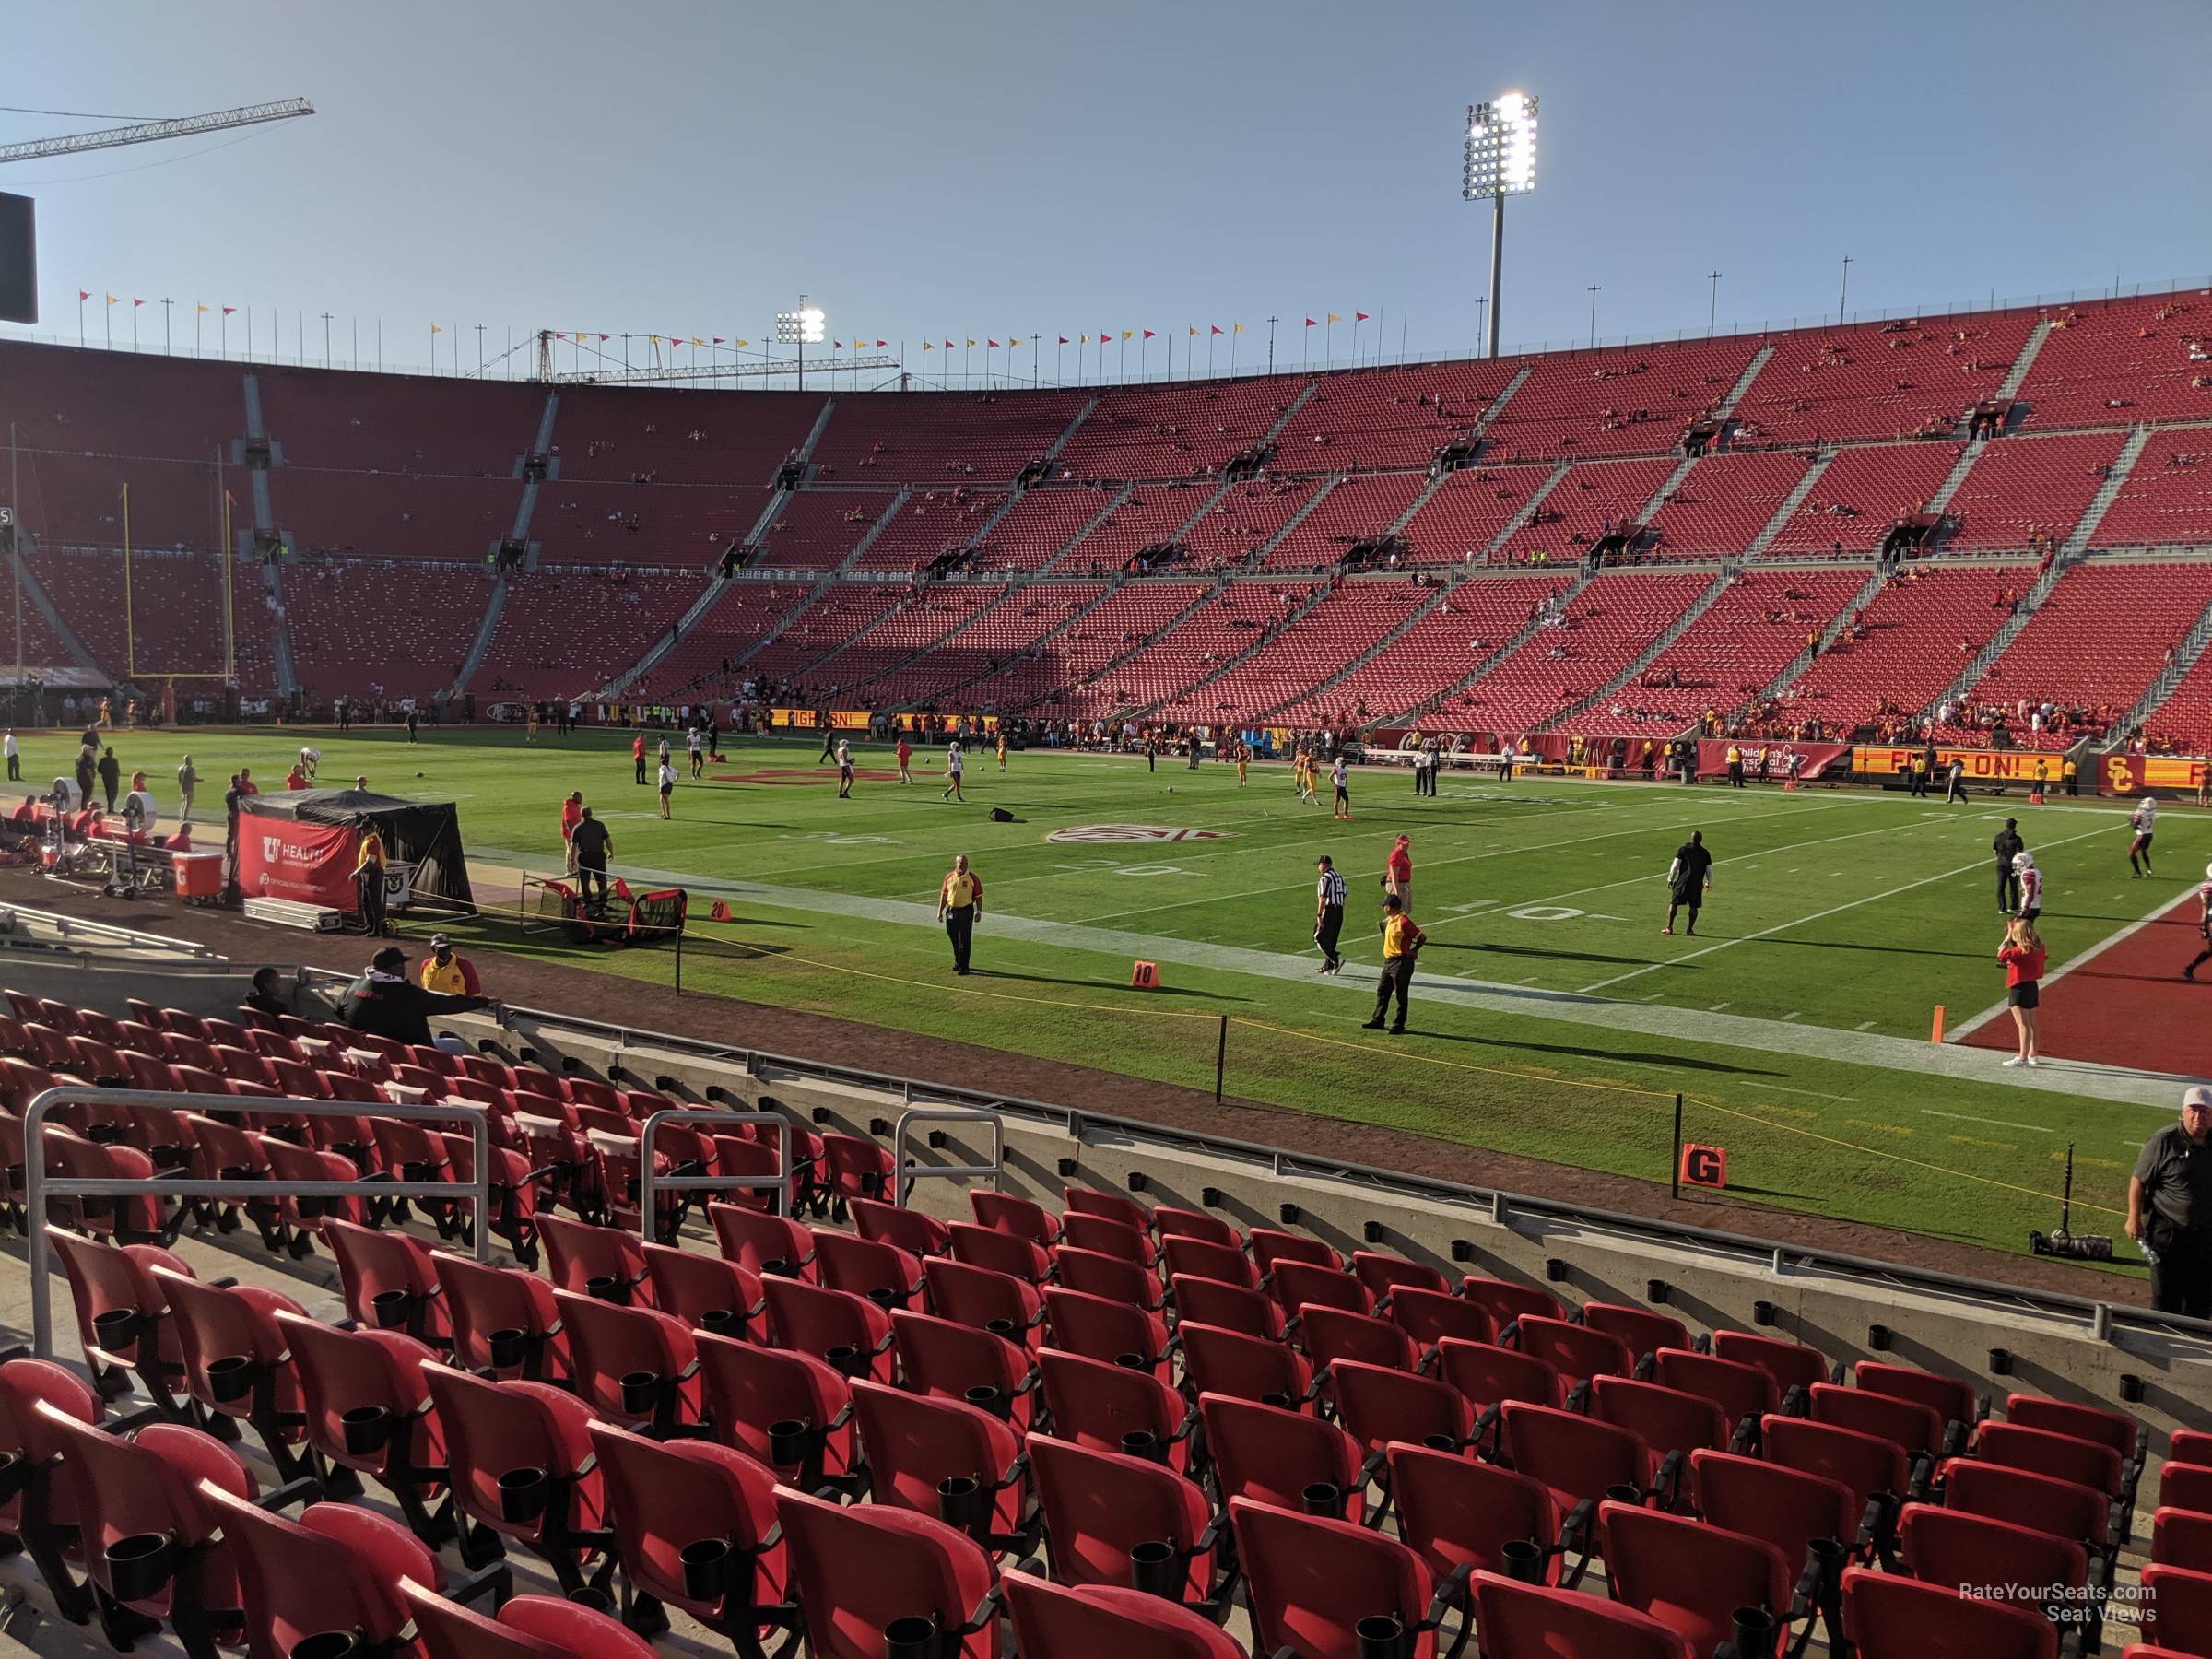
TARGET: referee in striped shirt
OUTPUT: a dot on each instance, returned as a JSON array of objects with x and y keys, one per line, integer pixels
[{"x": 1328, "y": 914}]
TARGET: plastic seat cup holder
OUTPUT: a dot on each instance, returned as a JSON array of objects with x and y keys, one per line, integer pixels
[
  {"x": 1440, "y": 1442},
  {"x": 232, "y": 1377},
  {"x": 15, "y": 1475},
  {"x": 883, "y": 1297},
  {"x": 312, "y": 1209},
  {"x": 791, "y": 1441},
  {"x": 1522, "y": 1559},
  {"x": 1157, "y": 1568},
  {"x": 606, "y": 1288},
  {"x": 1624, "y": 1493},
  {"x": 116, "y": 1329},
  {"x": 1755, "y": 1633},
  {"x": 140, "y": 1565},
  {"x": 1144, "y": 1443},
  {"x": 722, "y": 1322},
  {"x": 1132, "y": 1363},
  {"x": 642, "y": 1392},
  {"x": 392, "y": 1309},
  {"x": 710, "y": 1569},
  {"x": 509, "y": 1347},
  {"x": 847, "y": 1358},
  {"x": 105, "y": 1135},
  {"x": 1281, "y": 1402},
  {"x": 984, "y": 1397},
  {"x": 587, "y": 1595},
  {"x": 328, "y": 1644},
  {"x": 1323, "y": 1497},
  {"x": 1382, "y": 1636},
  {"x": 523, "y": 1493},
  {"x": 365, "y": 1429},
  {"x": 912, "y": 1637},
  {"x": 779, "y": 1268},
  {"x": 960, "y": 1502},
  {"x": 1005, "y": 1329}
]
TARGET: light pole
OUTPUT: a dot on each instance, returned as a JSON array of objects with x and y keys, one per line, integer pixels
[
  {"x": 1501, "y": 161},
  {"x": 1594, "y": 291},
  {"x": 1842, "y": 298},
  {"x": 801, "y": 328},
  {"x": 1714, "y": 312}
]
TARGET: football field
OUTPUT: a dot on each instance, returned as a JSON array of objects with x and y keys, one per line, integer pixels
[{"x": 1550, "y": 1017}]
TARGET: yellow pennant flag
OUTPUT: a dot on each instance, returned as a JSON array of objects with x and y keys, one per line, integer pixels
[
  {"x": 1238, "y": 326},
  {"x": 741, "y": 345},
  {"x": 1335, "y": 318},
  {"x": 200, "y": 308},
  {"x": 928, "y": 345},
  {"x": 1128, "y": 333},
  {"x": 111, "y": 299},
  {"x": 435, "y": 329},
  {"x": 971, "y": 342},
  {"x": 697, "y": 341},
  {"x": 1011, "y": 343},
  {"x": 1193, "y": 328}
]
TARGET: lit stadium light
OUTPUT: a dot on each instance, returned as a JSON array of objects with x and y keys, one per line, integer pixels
[
  {"x": 1502, "y": 147},
  {"x": 801, "y": 328},
  {"x": 1500, "y": 160}
]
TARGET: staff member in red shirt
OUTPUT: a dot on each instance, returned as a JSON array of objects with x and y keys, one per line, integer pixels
[
  {"x": 572, "y": 814},
  {"x": 2023, "y": 957},
  {"x": 905, "y": 753},
  {"x": 1397, "y": 874},
  {"x": 637, "y": 756}
]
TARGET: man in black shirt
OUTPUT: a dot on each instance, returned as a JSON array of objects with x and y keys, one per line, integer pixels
[
  {"x": 593, "y": 843},
  {"x": 1689, "y": 879},
  {"x": 2007, "y": 843},
  {"x": 230, "y": 799},
  {"x": 382, "y": 1001},
  {"x": 2169, "y": 1209}
]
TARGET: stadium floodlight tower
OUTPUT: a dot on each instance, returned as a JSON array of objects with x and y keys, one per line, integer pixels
[
  {"x": 802, "y": 328},
  {"x": 1501, "y": 161}
]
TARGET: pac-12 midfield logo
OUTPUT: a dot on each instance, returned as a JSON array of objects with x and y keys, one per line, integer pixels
[{"x": 1134, "y": 832}]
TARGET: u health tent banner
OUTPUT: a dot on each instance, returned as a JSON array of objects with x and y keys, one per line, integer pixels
[{"x": 308, "y": 864}]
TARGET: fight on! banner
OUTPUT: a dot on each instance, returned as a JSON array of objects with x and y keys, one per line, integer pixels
[
  {"x": 308, "y": 864},
  {"x": 1993, "y": 766}
]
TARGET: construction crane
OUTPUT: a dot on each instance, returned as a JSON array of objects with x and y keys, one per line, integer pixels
[{"x": 148, "y": 132}]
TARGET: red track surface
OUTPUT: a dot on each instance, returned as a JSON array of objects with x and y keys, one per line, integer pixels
[{"x": 2128, "y": 1004}]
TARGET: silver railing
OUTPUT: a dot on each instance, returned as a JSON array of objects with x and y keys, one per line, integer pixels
[
  {"x": 39, "y": 1186},
  {"x": 651, "y": 1185},
  {"x": 907, "y": 1173}
]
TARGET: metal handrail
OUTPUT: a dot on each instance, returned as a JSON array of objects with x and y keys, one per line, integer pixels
[
  {"x": 905, "y": 1174},
  {"x": 650, "y": 1183},
  {"x": 39, "y": 1186}
]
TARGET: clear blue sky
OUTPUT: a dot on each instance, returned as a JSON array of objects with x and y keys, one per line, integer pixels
[{"x": 981, "y": 167}]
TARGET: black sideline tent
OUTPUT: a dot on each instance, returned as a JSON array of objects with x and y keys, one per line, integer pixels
[{"x": 426, "y": 834}]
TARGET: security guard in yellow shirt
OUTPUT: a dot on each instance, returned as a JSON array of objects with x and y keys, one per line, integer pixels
[
  {"x": 447, "y": 972},
  {"x": 1401, "y": 939}
]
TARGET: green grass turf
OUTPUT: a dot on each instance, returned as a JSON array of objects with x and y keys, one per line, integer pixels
[{"x": 1831, "y": 909}]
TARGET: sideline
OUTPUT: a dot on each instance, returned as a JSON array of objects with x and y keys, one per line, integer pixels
[{"x": 2121, "y": 1084}]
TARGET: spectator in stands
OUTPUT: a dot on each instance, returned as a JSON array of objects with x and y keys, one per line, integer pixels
[
  {"x": 445, "y": 970},
  {"x": 2169, "y": 1209},
  {"x": 382, "y": 1001},
  {"x": 264, "y": 997},
  {"x": 590, "y": 843}
]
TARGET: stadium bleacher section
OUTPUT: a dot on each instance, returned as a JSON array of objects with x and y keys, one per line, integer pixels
[
  {"x": 1062, "y": 1418},
  {"x": 387, "y": 494}
]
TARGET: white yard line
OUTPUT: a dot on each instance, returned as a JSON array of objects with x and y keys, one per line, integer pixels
[
  {"x": 1834, "y": 910},
  {"x": 1963, "y": 1117},
  {"x": 2094, "y": 951}
]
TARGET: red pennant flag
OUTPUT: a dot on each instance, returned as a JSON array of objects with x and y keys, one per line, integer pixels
[
  {"x": 604, "y": 338},
  {"x": 1359, "y": 316},
  {"x": 948, "y": 344},
  {"x": 717, "y": 338},
  {"x": 1149, "y": 335},
  {"x": 137, "y": 303},
  {"x": 1063, "y": 339},
  {"x": 230, "y": 309},
  {"x": 993, "y": 344},
  {"x": 1309, "y": 323},
  {"x": 1214, "y": 327},
  {"x": 881, "y": 344},
  {"x": 82, "y": 295}
]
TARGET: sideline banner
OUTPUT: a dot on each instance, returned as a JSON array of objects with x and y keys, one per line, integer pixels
[
  {"x": 309, "y": 864},
  {"x": 1992, "y": 766},
  {"x": 2138, "y": 774}
]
